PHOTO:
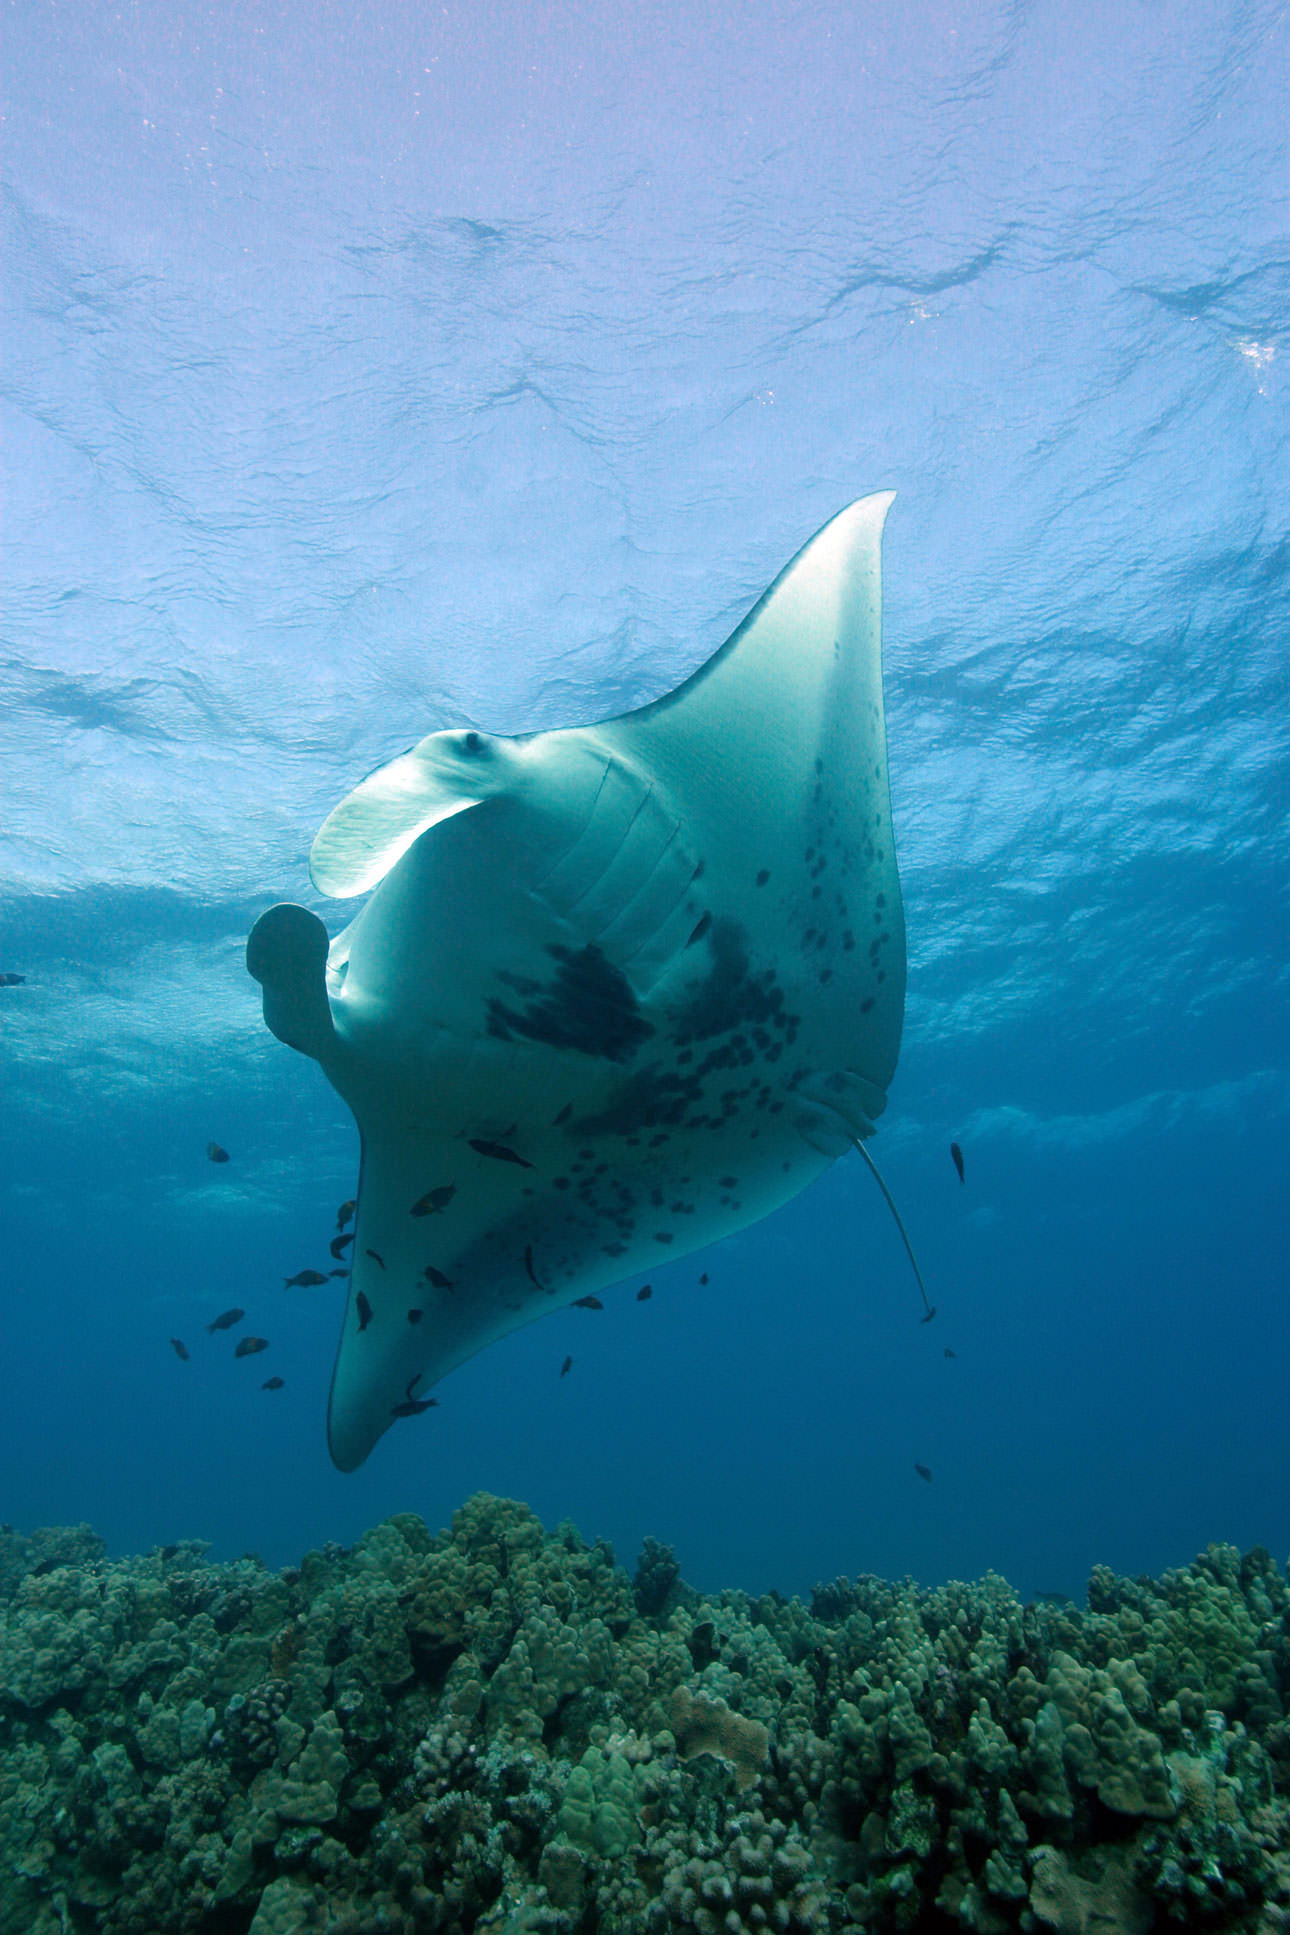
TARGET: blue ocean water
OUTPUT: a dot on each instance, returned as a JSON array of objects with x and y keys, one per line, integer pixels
[{"x": 373, "y": 370}]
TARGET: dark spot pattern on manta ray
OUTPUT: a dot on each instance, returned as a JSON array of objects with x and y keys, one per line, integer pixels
[{"x": 588, "y": 1005}]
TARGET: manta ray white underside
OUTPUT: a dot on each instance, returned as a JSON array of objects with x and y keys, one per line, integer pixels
[{"x": 619, "y": 990}]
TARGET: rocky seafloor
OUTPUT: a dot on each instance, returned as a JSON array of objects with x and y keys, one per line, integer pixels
[{"x": 497, "y": 1728}]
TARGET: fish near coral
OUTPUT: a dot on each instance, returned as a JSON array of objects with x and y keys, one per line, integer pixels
[{"x": 572, "y": 938}]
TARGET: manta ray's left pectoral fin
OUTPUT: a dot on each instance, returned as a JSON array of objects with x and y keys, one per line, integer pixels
[{"x": 286, "y": 952}]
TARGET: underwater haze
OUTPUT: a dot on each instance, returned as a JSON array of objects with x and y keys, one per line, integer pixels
[{"x": 369, "y": 371}]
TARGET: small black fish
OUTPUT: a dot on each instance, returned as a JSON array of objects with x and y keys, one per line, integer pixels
[
  {"x": 498, "y": 1151},
  {"x": 704, "y": 1277},
  {"x": 528, "y": 1265},
  {"x": 344, "y": 1213},
  {"x": 437, "y": 1277},
  {"x": 273, "y": 1384},
  {"x": 563, "y": 1116},
  {"x": 376, "y": 1257},
  {"x": 339, "y": 1245},
  {"x": 566, "y": 1367},
  {"x": 180, "y": 1348},
  {"x": 303, "y": 1279},
  {"x": 338, "y": 1273},
  {"x": 12, "y": 980},
  {"x": 957, "y": 1155},
  {"x": 364, "y": 1310},
  {"x": 226, "y": 1320},
  {"x": 644, "y": 1294},
  {"x": 250, "y": 1346},
  {"x": 931, "y": 1312},
  {"x": 435, "y": 1200},
  {"x": 924, "y": 1473},
  {"x": 415, "y": 1316},
  {"x": 412, "y": 1407},
  {"x": 949, "y": 1352},
  {"x": 215, "y": 1153},
  {"x": 170, "y": 1552},
  {"x": 587, "y": 1303}
]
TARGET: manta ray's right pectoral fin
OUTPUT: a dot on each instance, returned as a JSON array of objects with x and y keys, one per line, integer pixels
[{"x": 286, "y": 952}]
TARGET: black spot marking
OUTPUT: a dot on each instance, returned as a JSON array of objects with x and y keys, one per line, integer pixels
[{"x": 588, "y": 1006}]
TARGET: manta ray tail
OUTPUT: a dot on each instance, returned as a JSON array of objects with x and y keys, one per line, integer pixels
[{"x": 904, "y": 1233}]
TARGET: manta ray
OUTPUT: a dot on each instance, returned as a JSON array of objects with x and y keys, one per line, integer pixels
[{"x": 618, "y": 990}]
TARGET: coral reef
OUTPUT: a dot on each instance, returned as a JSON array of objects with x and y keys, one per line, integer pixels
[{"x": 497, "y": 1729}]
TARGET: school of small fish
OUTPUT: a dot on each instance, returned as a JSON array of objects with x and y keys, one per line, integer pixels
[{"x": 431, "y": 1204}]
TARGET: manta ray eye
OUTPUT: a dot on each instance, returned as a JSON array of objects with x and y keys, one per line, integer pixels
[{"x": 472, "y": 743}]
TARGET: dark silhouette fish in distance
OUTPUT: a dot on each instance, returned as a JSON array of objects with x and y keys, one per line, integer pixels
[
  {"x": 924, "y": 1473},
  {"x": 215, "y": 1153},
  {"x": 345, "y": 1212},
  {"x": 644, "y": 1293},
  {"x": 250, "y": 1346},
  {"x": 587, "y": 1303},
  {"x": 180, "y": 1348},
  {"x": 226, "y": 1320},
  {"x": 339, "y": 1245},
  {"x": 957, "y": 1157},
  {"x": 338, "y": 1273},
  {"x": 949, "y": 1352},
  {"x": 364, "y": 1310},
  {"x": 303, "y": 1279},
  {"x": 273, "y": 1384},
  {"x": 566, "y": 1367},
  {"x": 12, "y": 980}
]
